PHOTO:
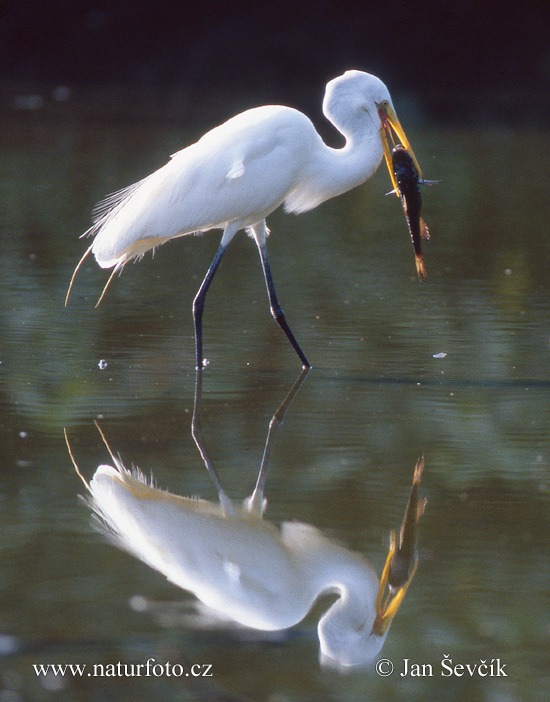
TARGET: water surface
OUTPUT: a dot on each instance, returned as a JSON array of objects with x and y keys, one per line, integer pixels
[{"x": 456, "y": 370}]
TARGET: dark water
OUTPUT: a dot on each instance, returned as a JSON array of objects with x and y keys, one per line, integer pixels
[{"x": 456, "y": 370}]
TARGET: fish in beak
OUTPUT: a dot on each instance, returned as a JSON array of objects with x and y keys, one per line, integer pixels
[
  {"x": 389, "y": 122},
  {"x": 408, "y": 182}
]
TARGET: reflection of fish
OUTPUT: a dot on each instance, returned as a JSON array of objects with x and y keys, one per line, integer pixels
[
  {"x": 402, "y": 559},
  {"x": 405, "y": 557},
  {"x": 408, "y": 180}
]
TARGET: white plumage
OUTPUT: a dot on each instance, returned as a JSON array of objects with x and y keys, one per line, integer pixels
[
  {"x": 240, "y": 172},
  {"x": 240, "y": 566}
]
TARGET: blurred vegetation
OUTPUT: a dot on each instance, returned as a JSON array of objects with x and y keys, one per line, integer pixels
[{"x": 483, "y": 65}]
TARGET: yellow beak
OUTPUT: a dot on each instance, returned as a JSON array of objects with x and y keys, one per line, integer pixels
[
  {"x": 386, "y": 607},
  {"x": 389, "y": 121}
]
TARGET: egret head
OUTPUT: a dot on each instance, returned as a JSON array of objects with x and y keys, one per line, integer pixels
[
  {"x": 355, "y": 94},
  {"x": 345, "y": 644},
  {"x": 353, "y": 631}
]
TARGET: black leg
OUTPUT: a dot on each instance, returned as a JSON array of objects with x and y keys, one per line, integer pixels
[
  {"x": 276, "y": 310},
  {"x": 198, "y": 303}
]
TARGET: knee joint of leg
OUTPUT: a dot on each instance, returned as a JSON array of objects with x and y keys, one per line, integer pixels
[{"x": 278, "y": 314}]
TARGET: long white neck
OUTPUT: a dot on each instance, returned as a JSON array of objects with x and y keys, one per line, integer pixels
[
  {"x": 359, "y": 123},
  {"x": 345, "y": 628},
  {"x": 333, "y": 171},
  {"x": 327, "y": 566},
  {"x": 355, "y": 163}
]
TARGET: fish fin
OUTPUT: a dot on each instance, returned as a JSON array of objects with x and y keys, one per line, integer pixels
[
  {"x": 430, "y": 182},
  {"x": 393, "y": 192},
  {"x": 420, "y": 267},
  {"x": 424, "y": 231},
  {"x": 421, "y": 507}
]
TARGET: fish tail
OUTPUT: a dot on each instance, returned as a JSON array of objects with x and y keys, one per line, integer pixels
[
  {"x": 420, "y": 267},
  {"x": 424, "y": 231},
  {"x": 418, "y": 470}
]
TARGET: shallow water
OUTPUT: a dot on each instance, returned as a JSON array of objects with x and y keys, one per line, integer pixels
[{"x": 456, "y": 370}]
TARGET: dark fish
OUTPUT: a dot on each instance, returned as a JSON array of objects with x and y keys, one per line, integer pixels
[
  {"x": 408, "y": 182},
  {"x": 405, "y": 557}
]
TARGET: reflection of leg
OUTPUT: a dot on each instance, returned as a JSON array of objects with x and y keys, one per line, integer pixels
[
  {"x": 198, "y": 303},
  {"x": 196, "y": 433},
  {"x": 256, "y": 501},
  {"x": 276, "y": 310}
]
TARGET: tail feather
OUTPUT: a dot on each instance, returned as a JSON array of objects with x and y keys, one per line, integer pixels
[{"x": 76, "y": 271}]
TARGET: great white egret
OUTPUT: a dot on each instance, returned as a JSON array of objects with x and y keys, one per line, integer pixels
[
  {"x": 243, "y": 568},
  {"x": 240, "y": 172}
]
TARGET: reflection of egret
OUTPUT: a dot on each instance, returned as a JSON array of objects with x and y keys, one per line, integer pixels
[
  {"x": 240, "y": 172},
  {"x": 241, "y": 566}
]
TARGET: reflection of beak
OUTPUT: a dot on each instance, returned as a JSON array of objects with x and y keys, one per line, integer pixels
[
  {"x": 389, "y": 121},
  {"x": 386, "y": 608}
]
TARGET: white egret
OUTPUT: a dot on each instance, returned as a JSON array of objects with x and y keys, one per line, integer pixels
[
  {"x": 245, "y": 569},
  {"x": 240, "y": 172}
]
